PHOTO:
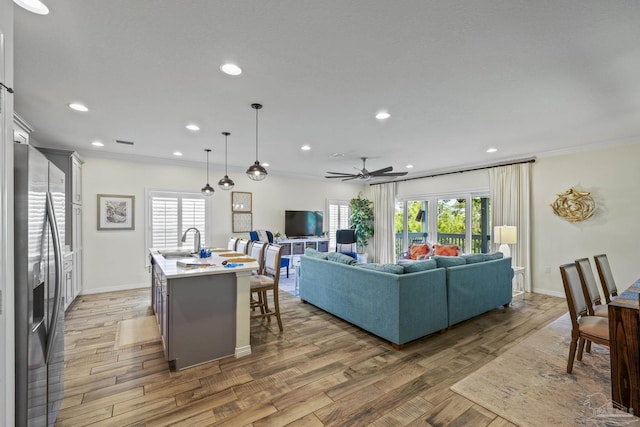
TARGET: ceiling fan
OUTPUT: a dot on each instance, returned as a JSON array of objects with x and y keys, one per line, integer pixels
[{"x": 364, "y": 174}]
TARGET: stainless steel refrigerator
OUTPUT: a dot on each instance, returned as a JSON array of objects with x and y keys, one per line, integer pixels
[{"x": 39, "y": 317}]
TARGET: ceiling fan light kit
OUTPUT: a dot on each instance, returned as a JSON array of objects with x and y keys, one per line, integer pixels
[
  {"x": 256, "y": 171},
  {"x": 364, "y": 175}
]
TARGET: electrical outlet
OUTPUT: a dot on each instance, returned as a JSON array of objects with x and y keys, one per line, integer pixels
[{"x": 547, "y": 270}]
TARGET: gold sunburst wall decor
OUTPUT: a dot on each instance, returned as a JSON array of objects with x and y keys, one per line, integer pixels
[{"x": 574, "y": 205}]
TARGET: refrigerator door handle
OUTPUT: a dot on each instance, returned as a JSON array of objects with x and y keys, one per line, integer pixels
[{"x": 53, "y": 225}]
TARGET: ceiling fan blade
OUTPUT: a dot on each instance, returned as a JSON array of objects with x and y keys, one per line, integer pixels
[
  {"x": 394, "y": 174},
  {"x": 353, "y": 177},
  {"x": 381, "y": 171},
  {"x": 339, "y": 176},
  {"x": 341, "y": 173}
]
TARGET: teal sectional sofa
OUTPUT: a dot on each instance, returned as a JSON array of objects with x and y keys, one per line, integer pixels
[{"x": 401, "y": 306}]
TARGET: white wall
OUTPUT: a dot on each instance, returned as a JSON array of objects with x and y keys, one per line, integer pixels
[
  {"x": 612, "y": 176},
  {"x": 116, "y": 259}
]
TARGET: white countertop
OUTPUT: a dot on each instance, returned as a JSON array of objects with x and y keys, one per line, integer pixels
[{"x": 213, "y": 264}]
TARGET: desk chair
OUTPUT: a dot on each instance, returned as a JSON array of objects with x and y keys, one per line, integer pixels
[{"x": 346, "y": 242}]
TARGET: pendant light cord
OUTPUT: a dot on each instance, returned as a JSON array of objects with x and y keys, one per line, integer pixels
[
  {"x": 226, "y": 172},
  {"x": 256, "y": 134},
  {"x": 208, "y": 166}
]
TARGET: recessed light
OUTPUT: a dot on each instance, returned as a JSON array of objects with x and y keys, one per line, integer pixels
[
  {"x": 382, "y": 115},
  {"x": 491, "y": 150},
  {"x": 193, "y": 127},
  {"x": 409, "y": 166},
  {"x": 265, "y": 164},
  {"x": 78, "y": 107},
  {"x": 334, "y": 155},
  {"x": 35, "y": 6},
  {"x": 231, "y": 69},
  {"x": 97, "y": 144},
  {"x": 305, "y": 148},
  {"x": 177, "y": 153}
]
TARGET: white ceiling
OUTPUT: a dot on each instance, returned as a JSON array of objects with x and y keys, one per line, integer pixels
[{"x": 457, "y": 77}]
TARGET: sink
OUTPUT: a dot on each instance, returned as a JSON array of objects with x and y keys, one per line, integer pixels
[{"x": 176, "y": 254}]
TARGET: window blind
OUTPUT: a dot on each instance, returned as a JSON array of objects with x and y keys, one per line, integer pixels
[
  {"x": 173, "y": 213},
  {"x": 339, "y": 212}
]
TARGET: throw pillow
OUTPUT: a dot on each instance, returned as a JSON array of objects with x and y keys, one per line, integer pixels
[
  {"x": 494, "y": 255},
  {"x": 449, "y": 261},
  {"x": 386, "y": 268},
  {"x": 446, "y": 250},
  {"x": 341, "y": 258},
  {"x": 418, "y": 250},
  {"x": 414, "y": 267},
  {"x": 346, "y": 247},
  {"x": 473, "y": 258}
]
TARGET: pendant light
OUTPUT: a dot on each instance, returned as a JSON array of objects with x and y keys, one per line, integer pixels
[
  {"x": 207, "y": 190},
  {"x": 226, "y": 183},
  {"x": 256, "y": 171}
]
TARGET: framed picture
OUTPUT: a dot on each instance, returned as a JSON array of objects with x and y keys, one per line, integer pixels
[
  {"x": 240, "y": 202},
  {"x": 242, "y": 222},
  {"x": 115, "y": 212}
]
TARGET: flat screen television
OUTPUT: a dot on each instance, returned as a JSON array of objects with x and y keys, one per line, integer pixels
[{"x": 302, "y": 223}]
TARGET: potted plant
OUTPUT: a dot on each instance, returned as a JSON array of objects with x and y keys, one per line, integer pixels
[{"x": 362, "y": 220}]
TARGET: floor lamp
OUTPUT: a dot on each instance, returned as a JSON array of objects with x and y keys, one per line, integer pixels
[{"x": 505, "y": 235}]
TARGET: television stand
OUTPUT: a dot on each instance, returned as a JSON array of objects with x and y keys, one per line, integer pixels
[{"x": 295, "y": 246}]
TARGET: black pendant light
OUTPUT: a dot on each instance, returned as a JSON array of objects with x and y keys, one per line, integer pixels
[
  {"x": 207, "y": 190},
  {"x": 226, "y": 183},
  {"x": 256, "y": 171}
]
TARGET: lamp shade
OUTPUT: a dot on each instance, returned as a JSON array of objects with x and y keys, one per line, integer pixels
[{"x": 505, "y": 234}]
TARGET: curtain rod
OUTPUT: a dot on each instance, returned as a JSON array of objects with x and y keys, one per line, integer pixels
[{"x": 496, "y": 165}]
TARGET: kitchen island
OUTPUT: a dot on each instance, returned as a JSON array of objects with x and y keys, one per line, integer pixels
[{"x": 202, "y": 306}]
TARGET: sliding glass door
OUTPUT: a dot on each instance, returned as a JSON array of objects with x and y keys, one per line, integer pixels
[{"x": 461, "y": 219}]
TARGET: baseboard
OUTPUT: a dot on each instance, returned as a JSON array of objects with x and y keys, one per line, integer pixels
[
  {"x": 115, "y": 288},
  {"x": 548, "y": 292}
]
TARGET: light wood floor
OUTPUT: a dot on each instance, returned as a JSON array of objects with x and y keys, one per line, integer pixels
[{"x": 320, "y": 371}]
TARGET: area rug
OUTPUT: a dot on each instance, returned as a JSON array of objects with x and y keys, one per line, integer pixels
[
  {"x": 528, "y": 385},
  {"x": 136, "y": 331}
]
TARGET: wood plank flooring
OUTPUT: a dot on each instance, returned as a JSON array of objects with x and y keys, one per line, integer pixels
[{"x": 321, "y": 371}]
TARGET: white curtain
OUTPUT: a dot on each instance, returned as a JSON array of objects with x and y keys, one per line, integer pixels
[
  {"x": 384, "y": 201},
  {"x": 511, "y": 205}
]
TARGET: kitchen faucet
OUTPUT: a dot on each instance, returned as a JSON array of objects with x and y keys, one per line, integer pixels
[{"x": 196, "y": 241}]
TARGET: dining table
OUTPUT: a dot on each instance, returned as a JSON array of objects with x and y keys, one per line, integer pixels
[{"x": 624, "y": 343}]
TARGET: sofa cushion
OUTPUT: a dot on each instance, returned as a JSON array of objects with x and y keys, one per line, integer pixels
[
  {"x": 446, "y": 250},
  {"x": 473, "y": 258},
  {"x": 341, "y": 258},
  {"x": 449, "y": 261},
  {"x": 419, "y": 251},
  {"x": 315, "y": 254},
  {"x": 387, "y": 268},
  {"x": 493, "y": 255},
  {"x": 414, "y": 267}
]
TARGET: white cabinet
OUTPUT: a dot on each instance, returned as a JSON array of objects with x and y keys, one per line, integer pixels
[
  {"x": 67, "y": 280},
  {"x": 71, "y": 164},
  {"x": 293, "y": 248}
]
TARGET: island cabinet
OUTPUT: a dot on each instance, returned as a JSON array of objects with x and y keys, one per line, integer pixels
[{"x": 197, "y": 312}]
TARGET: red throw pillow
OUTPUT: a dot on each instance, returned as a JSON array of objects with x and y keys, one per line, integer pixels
[
  {"x": 446, "y": 250},
  {"x": 416, "y": 250}
]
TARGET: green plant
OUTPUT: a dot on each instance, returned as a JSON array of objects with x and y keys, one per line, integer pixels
[{"x": 362, "y": 220}]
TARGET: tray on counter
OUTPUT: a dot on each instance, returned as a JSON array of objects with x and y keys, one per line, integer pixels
[{"x": 195, "y": 263}]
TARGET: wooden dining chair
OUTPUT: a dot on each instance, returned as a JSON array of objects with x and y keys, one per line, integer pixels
[
  {"x": 261, "y": 284},
  {"x": 232, "y": 243},
  {"x": 242, "y": 246},
  {"x": 256, "y": 251},
  {"x": 583, "y": 326},
  {"x": 606, "y": 278},
  {"x": 590, "y": 289}
]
